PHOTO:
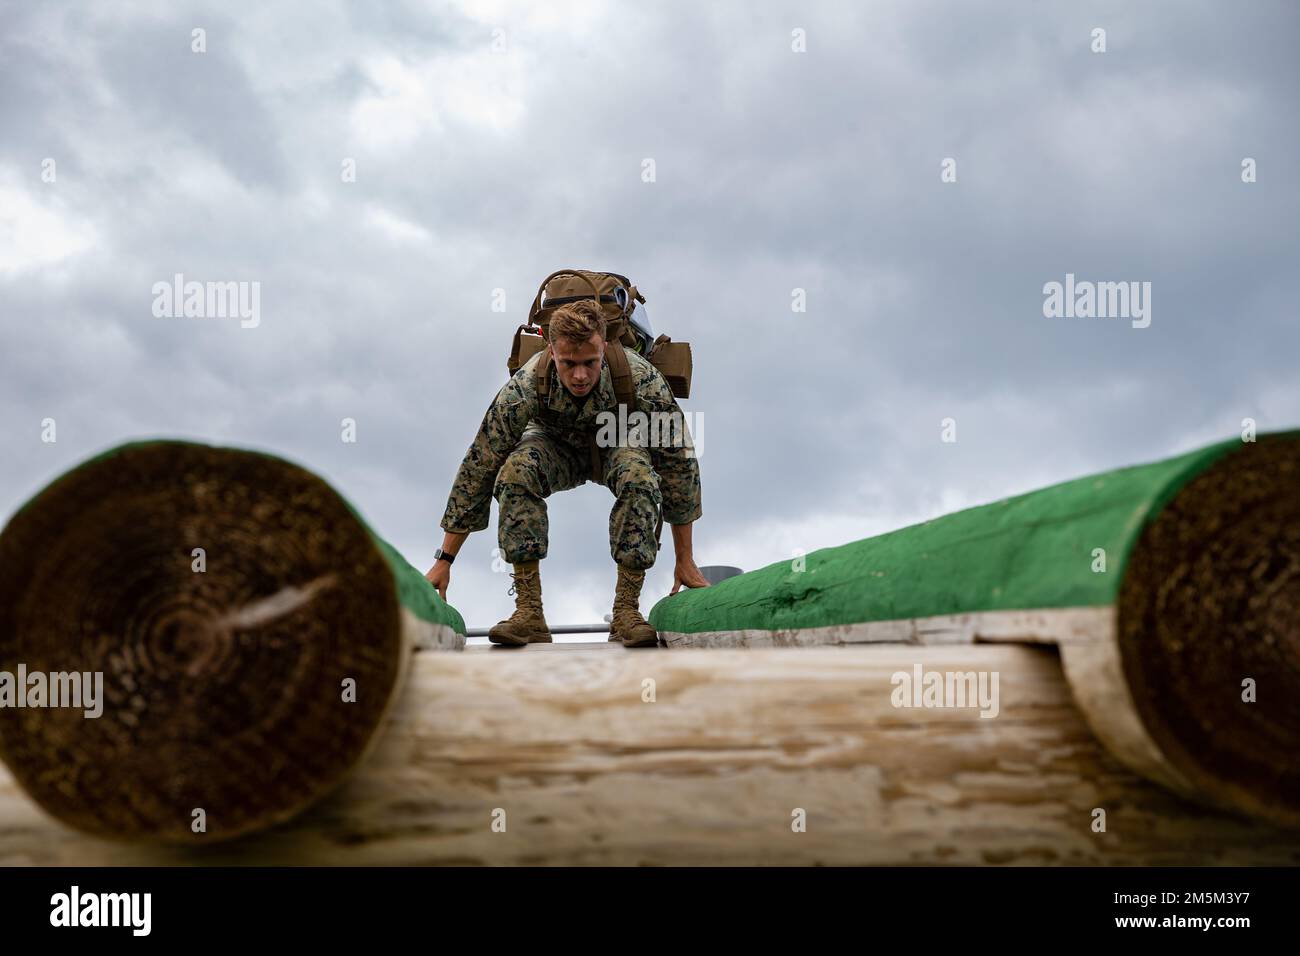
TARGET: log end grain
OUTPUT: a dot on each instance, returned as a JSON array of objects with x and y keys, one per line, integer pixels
[
  {"x": 225, "y": 704},
  {"x": 1209, "y": 630}
]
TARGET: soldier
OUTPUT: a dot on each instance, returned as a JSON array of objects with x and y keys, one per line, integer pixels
[{"x": 524, "y": 452}]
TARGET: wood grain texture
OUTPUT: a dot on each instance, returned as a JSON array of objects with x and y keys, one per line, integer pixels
[
  {"x": 243, "y": 629},
  {"x": 1089, "y": 647},
  {"x": 222, "y": 600},
  {"x": 710, "y": 772}
]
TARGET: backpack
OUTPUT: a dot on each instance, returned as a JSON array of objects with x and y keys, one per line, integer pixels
[{"x": 625, "y": 328}]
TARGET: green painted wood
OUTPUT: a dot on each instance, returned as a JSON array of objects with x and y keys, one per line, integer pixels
[
  {"x": 415, "y": 592},
  {"x": 1030, "y": 551}
]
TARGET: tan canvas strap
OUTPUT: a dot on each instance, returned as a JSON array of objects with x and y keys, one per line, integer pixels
[
  {"x": 606, "y": 298},
  {"x": 620, "y": 374},
  {"x": 543, "y": 384}
]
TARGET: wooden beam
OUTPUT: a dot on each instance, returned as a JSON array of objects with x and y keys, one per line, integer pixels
[{"x": 715, "y": 768}]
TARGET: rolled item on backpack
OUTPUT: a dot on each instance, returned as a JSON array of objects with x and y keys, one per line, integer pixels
[
  {"x": 247, "y": 630},
  {"x": 1172, "y": 590}
]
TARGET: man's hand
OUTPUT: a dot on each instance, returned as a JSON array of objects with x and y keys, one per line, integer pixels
[
  {"x": 440, "y": 574},
  {"x": 440, "y": 577},
  {"x": 686, "y": 573}
]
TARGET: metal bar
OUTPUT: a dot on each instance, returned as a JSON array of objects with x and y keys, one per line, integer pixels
[{"x": 602, "y": 628}]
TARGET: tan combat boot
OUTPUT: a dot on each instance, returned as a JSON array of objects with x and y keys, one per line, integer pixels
[
  {"x": 627, "y": 626},
  {"x": 526, "y": 625}
]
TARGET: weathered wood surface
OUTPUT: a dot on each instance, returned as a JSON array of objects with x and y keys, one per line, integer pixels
[
  {"x": 1088, "y": 640},
  {"x": 712, "y": 770}
]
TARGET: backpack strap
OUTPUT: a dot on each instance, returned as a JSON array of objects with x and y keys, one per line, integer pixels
[
  {"x": 597, "y": 473},
  {"x": 620, "y": 374},
  {"x": 543, "y": 377}
]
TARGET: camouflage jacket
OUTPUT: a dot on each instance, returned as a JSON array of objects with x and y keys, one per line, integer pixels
[{"x": 572, "y": 423}]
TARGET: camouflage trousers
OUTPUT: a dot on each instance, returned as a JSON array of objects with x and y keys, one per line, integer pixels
[{"x": 540, "y": 465}]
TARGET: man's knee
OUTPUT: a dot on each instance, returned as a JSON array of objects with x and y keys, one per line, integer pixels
[
  {"x": 633, "y": 476},
  {"x": 520, "y": 470}
]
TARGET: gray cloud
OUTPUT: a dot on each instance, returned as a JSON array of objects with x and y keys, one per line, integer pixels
[{"x": 479, "y": 170}]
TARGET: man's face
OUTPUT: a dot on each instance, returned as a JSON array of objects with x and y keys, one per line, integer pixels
[{"x": 578, "y": 366}]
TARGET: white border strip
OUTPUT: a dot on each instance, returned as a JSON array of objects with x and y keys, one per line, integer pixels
[
  {"x": 1066, "y": 625},
  {"x": 427, "y": 636}
]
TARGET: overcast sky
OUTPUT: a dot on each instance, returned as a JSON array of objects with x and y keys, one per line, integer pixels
[{"x": 496, "y": 142}]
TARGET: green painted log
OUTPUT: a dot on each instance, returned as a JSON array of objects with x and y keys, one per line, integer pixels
[
  {"x": 241, "y": 682},
  {"x": 1183, "y": 653}
]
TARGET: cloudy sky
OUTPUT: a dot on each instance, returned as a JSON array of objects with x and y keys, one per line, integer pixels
[{"x": 495, "y": 142}]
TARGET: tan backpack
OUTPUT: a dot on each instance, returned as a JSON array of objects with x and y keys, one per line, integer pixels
[{"x": 618, "y": 298}]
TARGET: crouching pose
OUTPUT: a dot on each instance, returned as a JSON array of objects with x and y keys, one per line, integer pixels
[{"x": 529, "y": 447}]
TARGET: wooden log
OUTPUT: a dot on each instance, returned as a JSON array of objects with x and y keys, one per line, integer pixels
[
  {"x": 247, "y": 628},
  {"x": 584, "y": 769},
  {"x": 1172, "y": 589},
  {"x": 566, "y": 750}
]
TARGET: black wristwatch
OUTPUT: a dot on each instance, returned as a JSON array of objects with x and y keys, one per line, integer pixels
[{"x": 441, "y": 555}]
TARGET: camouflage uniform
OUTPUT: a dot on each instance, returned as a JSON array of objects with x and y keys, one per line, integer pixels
[{"x": 521, "y": 456}]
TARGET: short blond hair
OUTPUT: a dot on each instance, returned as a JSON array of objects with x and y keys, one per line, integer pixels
[{"x": 577, "y": 322}]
